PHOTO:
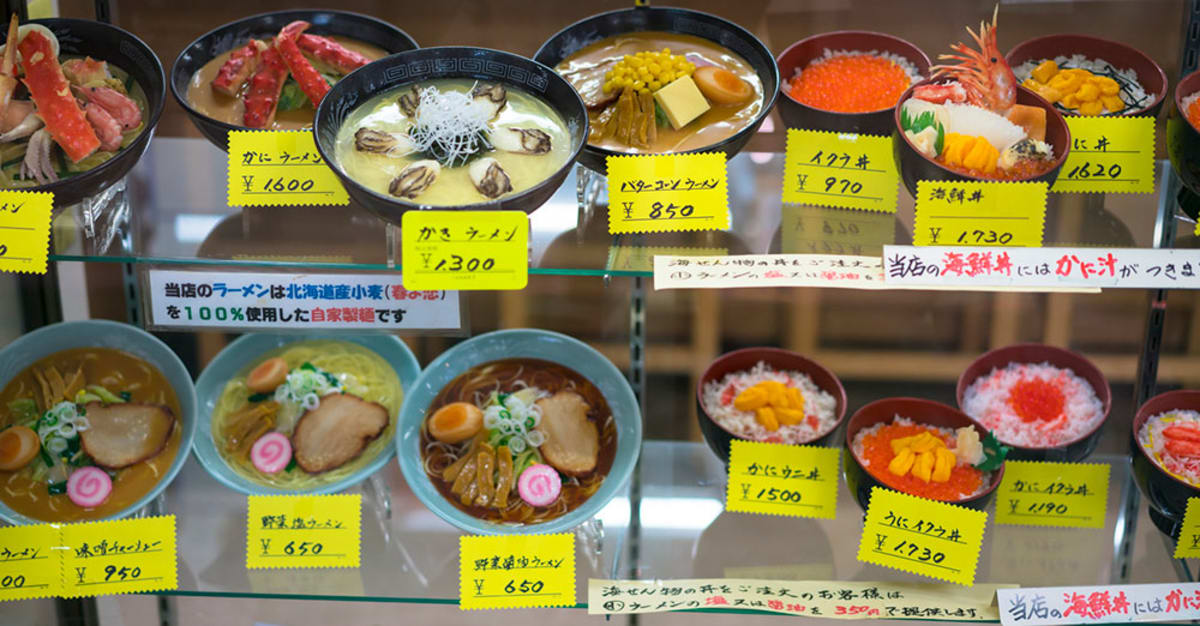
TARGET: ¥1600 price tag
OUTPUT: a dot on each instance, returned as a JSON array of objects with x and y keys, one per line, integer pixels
[
  {"x": 979, "y": 214},
  {"x": 30, "y": 562},
  {"x": 461, "y": 250},
  {"x": 840, "y": 170},
  {"x": 280, "y": 167},
  {"x": 780, "y": 479},
  {"x": 920, "y": 536},
  {"x": 1108, "y": 155},
  {"x": 1188, "y": 546},
  {"x": 126, "y": 556},
  {"x": 303, "y": 531},
  {"x": 1034, "y": 493},
  {"x": 516, "y": 571},
  {"x": 25, "y": 231},
  {"x": 667, "y": 192}
]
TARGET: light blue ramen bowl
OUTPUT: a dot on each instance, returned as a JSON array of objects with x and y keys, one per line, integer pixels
[
  {"x": 248, "y": 349},
  {"x": 48, "y": 340},
  {"x": 513, "y": 344}
]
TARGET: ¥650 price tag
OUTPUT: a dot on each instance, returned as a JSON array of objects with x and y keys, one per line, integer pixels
[
  {"x": 25, "y": 231},
  {"x": 1108, "y": 155},
  {"x": 979, "y": 214},
  {"x": 126, "y": 556},
  {"x": 779, "y": 479},
  {"x": 516, "y": 571},
  {"x": 1053, "y": 494},
  {"x": 303, "y": 531},
  {"x": 30, "y": 562},
  {"x": 277, "y": 167},
  {"x": 921, "y": 536},
  {"x": 465, "y": 249},
  {"x": 840, "y": 170},
  {"x": 667, "y": 192}
]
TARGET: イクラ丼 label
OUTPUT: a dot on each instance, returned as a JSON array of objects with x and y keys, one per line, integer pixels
[{"x": 840, "y": 170}]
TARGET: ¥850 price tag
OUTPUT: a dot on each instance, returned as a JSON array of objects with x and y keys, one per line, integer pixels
[
  {"x": 303, "y": 531},
  {"x": 979, "y": 214},
  {"x": 126, "y": 556},
  {"x": 921, "y": 536},
  {"x": 840, "y": 170},
  {"x": 278, "y": 167},
  {"x": 1053, "y": 494},
  {"x": 465, "y": 249},
  {"x": 30, "y": 562},
  {"x": 667, "y": 192},
  {"x": 780, "y": 479},
  {"x": 25, "y": 230},
  {"x": 516, "y": 571},
  {"x": 1108, "y": 155}
]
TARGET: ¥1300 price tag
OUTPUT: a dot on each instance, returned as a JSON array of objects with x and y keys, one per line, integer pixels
[
  {"x": 979, "y": 214},
  {"x": 920, "y": 536},
  {"x": 1035, "y": 493},
  {"x": 516, "y": 571},
  {"x": 465, "y": 250},
  {"x": 30, "y": 562},
  {"x": 280, "y": 167},
  {"x": 126, "y": 556},
  {"x": 667, "y": 192},
  {"x": 1188, "y": 546},
  {"x": 780, "y": 479},
  {"x": 303, "y": 531},
  {"x": 1108, "y": 155},
  {"x": 840, "y": 170},
  {"x": 25, "y": 231}
]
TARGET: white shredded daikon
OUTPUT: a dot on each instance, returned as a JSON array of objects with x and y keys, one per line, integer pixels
[{"x": 450, "y": 124}]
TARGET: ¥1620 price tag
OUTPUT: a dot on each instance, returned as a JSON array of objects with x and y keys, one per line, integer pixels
[
  {"x": 30, "y": 562},
  {"x": 841, "y": 170},
  {"x": 516, "y": 571},
  {"x": 781, "y": 479},
  {"x": 461, "y": 250},
  {"x": 979, "y": 214},
  {"x": 1188, "y": 546},
  {"x": 667, "y": 192},
  {"x": 920, "y": 536},
  {"x": 25, "y": 231},
  {"x": 126, "y": 556},
  {"x": 1108, "y": 155},
  {"x": 280, "y": 167},
  {"x": 1034, "y": 493},
  {"x": 303, "y": 531}
]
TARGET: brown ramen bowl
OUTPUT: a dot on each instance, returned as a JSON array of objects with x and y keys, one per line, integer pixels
[
  {"x": 1183, "y": 140},
  {"x": 1166, "y": 495}
]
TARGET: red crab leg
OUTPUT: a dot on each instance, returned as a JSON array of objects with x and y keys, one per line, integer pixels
[
  {"x": 52, "y": 94},
  {"x": 8, "y": 69},
  {"x": 238, "y": 68},
  {"x": 310, "y": 80},
  {"x": 332, "y": 52},
  {"x": 262, "y": 96}
]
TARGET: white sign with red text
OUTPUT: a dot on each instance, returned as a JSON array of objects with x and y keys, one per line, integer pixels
[{"x": 1043, "y": 606}]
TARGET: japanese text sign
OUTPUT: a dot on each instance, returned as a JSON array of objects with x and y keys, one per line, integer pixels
[
  {"x": 641, "y": 258},
  {"x": 1046, "y": 606},
  {"x": 779, "y": 479},
  {"x": 979, "y": 213},
  {"x": 1108, "y": 155},
  {"x": 465, "y": 249},
  {"x": 30, "y": 561},
  {"x": 840, "y": 170},
  {"x": 25, "y": 231},
  {"x": 768, "y": 270},
  {"x": 126, "y": 556},
  {"x": 924, "y": 537},
  {"x": 1188, "y": 546},
  {"x": 821, "y": 230},
  {"x": 667, "y": 192},
  {"x": 516, "y": 571},
  {"x": 1053, "y": 494},
  {"x": 279, "y": 167},
  {"x": 303, "y": 531}
]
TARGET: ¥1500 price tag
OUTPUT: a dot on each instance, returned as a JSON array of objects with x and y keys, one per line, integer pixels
[
  {"x": 280, "y": 167},
  {"x": 667, "y": 192},
  {"x": 126, "y": 556},
  {"x": 30, "y": 562},
  {"x": 780, "y": 479},
  {"x": 461, "y": 250},
  {"x": 1108, "y": 155},
  {"x": 516, "y": 571},
  {"x": 979, "y": 214},
  {"x": 1033, "y": 493},
  {"x": 25, "y": 231},
  {"x": 303, "y": 531},
  {"x": 840, "y": 170},
  {"x": 920, "y": 536},
  {"x": 1188, "y": 546}
]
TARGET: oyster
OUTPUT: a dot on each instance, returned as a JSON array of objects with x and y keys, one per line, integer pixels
[
  {"x": 489, "y": 178},
  {"x": 492, "y": 96},
  {"x": 521, "y": 140},
  {"x": 409, "y": 102},
  {"x": 1025, "y": 149},
  {"x": 368, "y": 140},
  {"x": 415, "y": 179}
]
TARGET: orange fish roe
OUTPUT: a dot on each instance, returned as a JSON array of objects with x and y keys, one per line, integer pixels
[
  {"x": 853, "y": 83},
  {"x": 1193, "y": 114},
  {"x": 877, "y": 453},
  {"x": 1034, "y": 399}
]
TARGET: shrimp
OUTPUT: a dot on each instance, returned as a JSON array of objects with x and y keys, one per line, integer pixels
[{"x": 984, "y": 73}]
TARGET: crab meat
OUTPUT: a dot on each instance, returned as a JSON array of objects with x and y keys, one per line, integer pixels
[
  {"x": 310, "y": 80},
  {"x": 84, "y": 71},
  {"x": 415, "y": 179},
  {"x": 107, "y": 128},
  {"x": 37, "y": 163},
  {"x": 489, "y": 178},
  {"x": 238, "y": 68},
  {"x": 377, "y": 141},
  {"x": 121, "y": 107},
  {"x": 262, "y": 96},
  {"x": 521, "y": 140},
  {"x": 332, "y": 53},
  {"x": 51, "y": 93},
  {"x": 494, "y": 97}
]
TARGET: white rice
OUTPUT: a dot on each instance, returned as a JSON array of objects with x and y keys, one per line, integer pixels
[
  {"x": 986, "y": 400},
  {"x": 909, "y": 68},
  {"x": 817, "y": 402},
  {"x": 949, "y": 435},
  {"x": 1135, "y": 94},
  {"x": 1187, "y": 103},
  {"x": 1154, "y": 442}
]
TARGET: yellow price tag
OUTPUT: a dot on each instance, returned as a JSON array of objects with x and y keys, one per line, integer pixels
[
  {"x": 924, "y": 537},
  {"x": 1108, "y": 155},
  {"x": 822, "y": 230},
  {"x": 516, "y": 571},
  {"x": 1036, "y": 493},
  {"x": 842, "y": 170},
  {"x": 126, "y": 556},
  {"x": 25, "y": 231},
  {"x": 667, "y": 192},
  {"x": 464, "y": 250},
  {"x": 979, "y": 214},
  {"x": 303, "y": 531},
  {"x": 781, "y": 479},
  {"x": 280, "y": 167},
  {"x": 30, "y": 562},
  {"x": 1188, "y": 546},
  {"x": 641, "y": 258}
]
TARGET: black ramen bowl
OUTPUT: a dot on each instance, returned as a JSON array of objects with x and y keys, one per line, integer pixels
[
  {"x": 1072, "y": 451},
  {"x": 234, "y": 34},
  {"x": 921, "y": 411},
  {"x": 915, "y": 166},
  {"x": 587, "y": 31},
  {"x": 1166, "y": 495},
  {"x": 796, "y": 114},
  {"x": 425, "y": 64},
  {"x": 125, "y": 51},
  {"x": 1183, "y": 140}
]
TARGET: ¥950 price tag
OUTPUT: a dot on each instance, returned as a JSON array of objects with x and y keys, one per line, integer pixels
[
  {"x": 780, "y": 479},
  {"x": 667, "y": 192},
  {"x": 1108, "y": 155},
  {"x": 279, "y": 167},
  {"x": 1034, "y": 493},
  {"x": 516, "y": 571},
  {"x": 30, "y": 561},
  {"x": 979, "y": 214},
  {"x": 924, "y": 537},
  {"x": 126, "y": 556},
  {"x": 840, "y": 170},
  {"x": 460, "y": 250},
  {"x": 25, "y": 231},
  {"x": 303, "y": 531}
]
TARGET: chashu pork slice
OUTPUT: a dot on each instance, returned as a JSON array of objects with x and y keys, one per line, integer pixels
[
  {"x": 335, "y": 432},
  {"x": 572, "y": 441},
  {"x": 120, "y": 435}
]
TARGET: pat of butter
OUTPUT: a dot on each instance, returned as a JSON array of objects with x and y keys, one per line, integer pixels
[{"x": 681, "y": 101}]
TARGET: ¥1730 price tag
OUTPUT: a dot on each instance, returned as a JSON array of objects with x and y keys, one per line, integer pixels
[
  {"x": 25, "y": 231},
  {"x": 963, "y": 213},
  {"x": 516, "y": 571},
  {"x": 461, "y": 250},
  {"x": 1108, "y": 155},
  {"x": 126, "y": 556},
  {"x": 667, "y": 192},
  {"x": 30, "y": 562},
  {"x": 781, "y": 479},
  {"x": 280, "y": 167},
  {"x": 1188, "y": 545},
  {"x": 303, "y": 531},
  {"x": 1073, "y": 495},
  {"x": 841, "y": 170},
  {"x": 920, "y": 536}
]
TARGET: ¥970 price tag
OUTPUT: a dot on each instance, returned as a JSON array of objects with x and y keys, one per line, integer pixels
[
  {"x": 276, "y": 167},
  {"x": 979, "y": 214},
  {"x": 841, "y": 170},
  {"x": 516, "y": 571},
  {"x": 461, "y": 250},
  {"x": 303, "y": 531},
  {"x": 667, "y": 192},
  {"x": 25, "y": 231},
  {"x": 126, "y": 556},
  {"x": 1108, "y": 155},
  {"x": 924, "y": 537},
  {"x": 1073, "y": 495}
]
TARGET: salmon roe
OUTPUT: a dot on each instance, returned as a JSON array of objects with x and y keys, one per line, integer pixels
[
  {"x": 1193, "y": 114},
  {"x": 877, "y": 453},
  {"x": 1036, "y": 400},
  {"x": 852, "y": 83}
]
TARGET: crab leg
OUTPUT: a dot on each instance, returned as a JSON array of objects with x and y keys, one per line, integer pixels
[
  {"x": 8, "y": 69},
  {"x": 238, "y": 68},
  {"x": 310, "y": 80},
  {"x": 262, "y": 96},
  {"x": 52, "y": 94},
  {"x": 332, "y": 52}
]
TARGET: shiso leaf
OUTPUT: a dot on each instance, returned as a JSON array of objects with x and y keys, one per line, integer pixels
[{"x": 994, "y": 453}]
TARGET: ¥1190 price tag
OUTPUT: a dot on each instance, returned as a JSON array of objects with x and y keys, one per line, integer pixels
[
  {"x": 920, "y": 536},
  {"x": 463, "y": 250},
  {"x": 516, "y": 571},
  {"x": 30, "y": 562},
  {"x": 280, "y": 167},
  {"x": 1188, "y": 545},
  {"x": 962, "y": 213},
  {"x": 25, "y": 231},
  {"x": 781, "y": 479},
  {"x": 1108, "y": 155},
  {"x": 303, "y": 531},
  {"x": 1033, "y": 493},
  {"x": 126, "y": 556},
  {"x": 667, "y": 192},
  {"x": 841, "y": 170}
]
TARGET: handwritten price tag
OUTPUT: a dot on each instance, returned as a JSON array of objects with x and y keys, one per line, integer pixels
[
  {"x": 279, "y": 167},
  {"x": 30, "y": 562},
  {"x": 821, "y": 230},
  {"x": 465, "y": 250},
  {"x": 126, "y": 556},
  {"x": 303, "y": 531},
  {"x": 979, "y": 214},
  {"x": 1108, "y": 155},
  {"x": 667, "y": 192},
  {"x": 516, "y": 571},
  {"x": 1033, "y": 493},
  {"x": 1188, "y": 546},
  {"x": 920, "y": 536},
  {"x": 840, "y": 170},
  {"x": 25, "y": 231},
  {"x": 779, "y": 479}
]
